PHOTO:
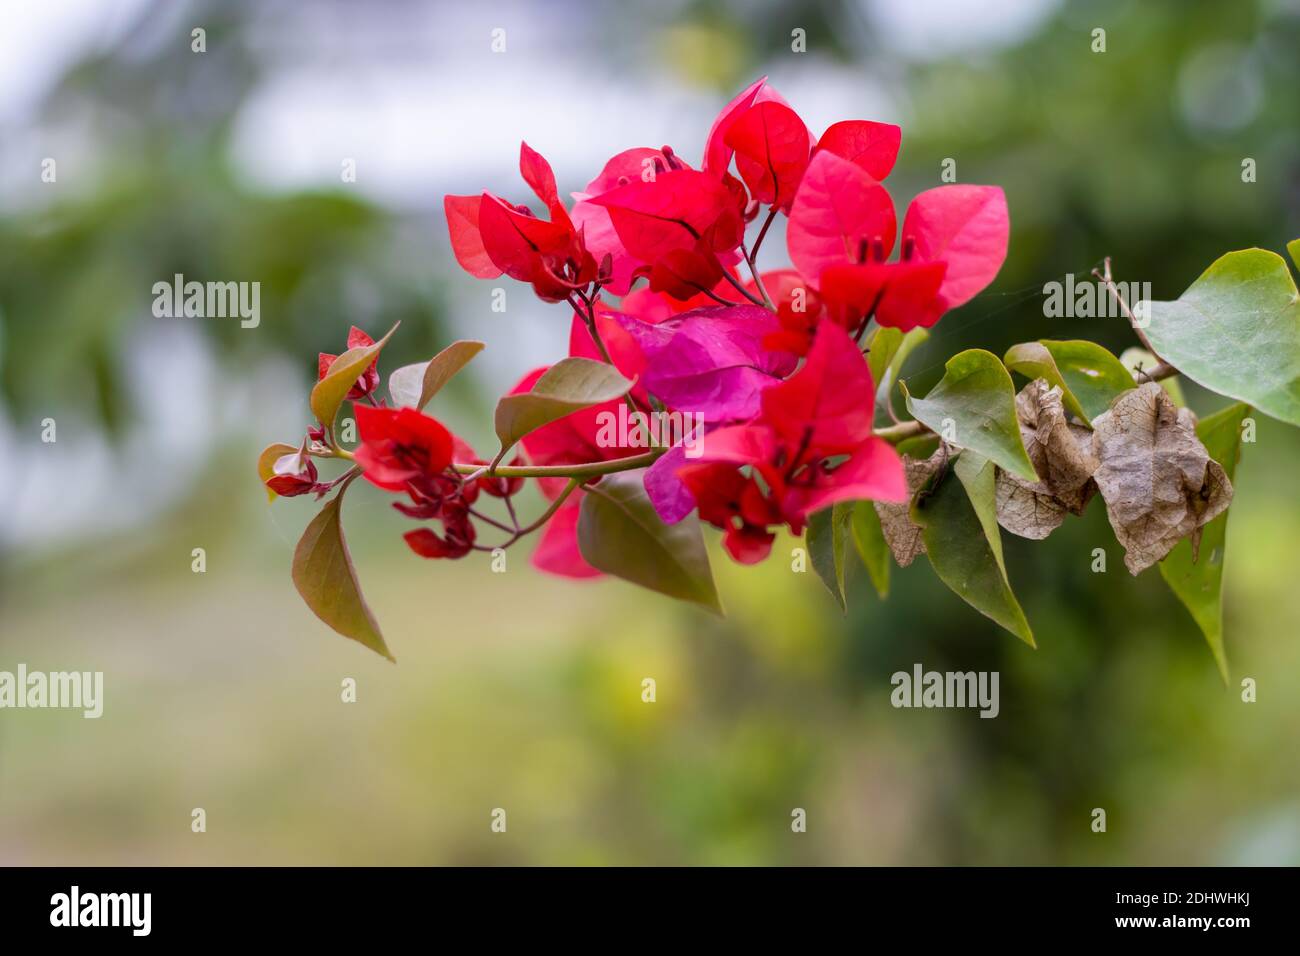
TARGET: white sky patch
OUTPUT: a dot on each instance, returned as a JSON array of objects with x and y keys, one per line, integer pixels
[{"x": 934, "y": 29}]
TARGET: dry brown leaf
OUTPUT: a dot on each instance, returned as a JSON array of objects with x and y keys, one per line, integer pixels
[
  {"x": 1159, "y": 483},
  {"x": 902, "y": 536},
  {"x": 1061, "y": 452}
]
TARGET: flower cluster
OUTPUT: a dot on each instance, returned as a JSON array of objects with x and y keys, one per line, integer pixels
[
  {"x": 784, "y": 438},
  {"x": 655, "y": 260}
]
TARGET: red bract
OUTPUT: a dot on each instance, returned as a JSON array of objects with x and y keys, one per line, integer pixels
[
  {"x": 812, "y": 446},
  {"x": 954, "y": 243},
  {"x": 873, "y": 146},
  {"x": 399, "y": 444},
  {"x": 673, "y": 212},
  {"x": 829, "y": 404},
  {"x": 405, "y": 450},
  {"x": 717, "y": 153},
  {"x": 736, "y": 503},
  {"x": 839, "y": 212},
  {"x": 798, "y": 309},
  {"x": 964, "y": 227},
  {"x": 369, "y": 379},
  {"x": 294, "y": 474},
  {"x": 771, "y": 146},
  {"x": 593, "y": 219},
  {"x": 491, "y": 236}
]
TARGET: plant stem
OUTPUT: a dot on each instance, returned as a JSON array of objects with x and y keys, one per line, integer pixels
[
  {"x": 591, "y": 469},
  {"x": 1104, "y": 275},
  {"x": 735, "y": 283},
  {"x": 901, "y": 432}
]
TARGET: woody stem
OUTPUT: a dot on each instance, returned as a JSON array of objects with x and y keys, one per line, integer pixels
[{"x": 1104, "y": 276}]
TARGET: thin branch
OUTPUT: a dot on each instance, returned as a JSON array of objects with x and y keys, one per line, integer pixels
[
  {"x": 592, "y": 469},
  {"x": 735, "y": 283},
  {"x": 1104, "y": 275}
]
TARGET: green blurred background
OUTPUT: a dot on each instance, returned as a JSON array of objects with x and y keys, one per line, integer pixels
[{"x": 522, "y": 692}]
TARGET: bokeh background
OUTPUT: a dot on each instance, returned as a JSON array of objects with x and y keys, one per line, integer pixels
[{"x": 521, "y": 692}]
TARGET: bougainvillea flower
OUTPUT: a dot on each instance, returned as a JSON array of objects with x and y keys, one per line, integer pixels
[
  {"x": 812, "y": 446},
  {"x": 873, "y": 146},
  {"x": 771, "y": 146},
  {"x": 599, "y": 234},
  {"x": 735, "y": 503},
  {"x": 964, "y": 227},
  {"x": 399, "y": 444},
  {"x": 405, "y": 450},
  {"x": 717, "y": 154},
  {"x": 293, "y": 474},
  {"x": 710, "y": 362},
  {"x": 466, "y": 238},
  {"x": 798, "y": 310},
  {"x": 901, "y": 295},
  {"x": 369, "y": 379},
  {"x": 829, "y": 404},
  {"x": 839, "y": 211},
  {"x": 954, "y": 241},
  {"x": 456, "y": 541},
  {"x": 673, "y": 211},
  {"x": 491, "y": 236}
]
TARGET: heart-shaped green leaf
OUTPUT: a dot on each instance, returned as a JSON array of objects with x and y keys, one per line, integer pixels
[
  {"x": 1236, "y": 330},
  {"x": 567, "y": 386},
  {"x": 324, "y": 576},
  {"x": 329, "y": 392},
  {"x": 1088, "y": 375},
  {"x": 828, "y": 540},
  {"x": 620, "y": 533},
  {"x": 1199, "y": 584},
  {"x": 869, "y": 539},
  {"x": 266, "y": 463},
  {"x": 974, "y": 406},
  {"x": 415, "y": 385},
  {"x": 958, "y": 517}
]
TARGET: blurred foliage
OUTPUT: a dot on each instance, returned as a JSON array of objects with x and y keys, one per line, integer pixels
[{"x": 76, "y": 275}]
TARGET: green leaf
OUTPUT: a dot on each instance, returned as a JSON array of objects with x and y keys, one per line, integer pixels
[
  {"x": 975, "y": 398},
  {"x": 1236, "y": 330},
  {"x": 329, "y": 392},
  {"x": 884, "y": 372},
  {"x": 1293, "y": 247},
  {"x": 958, "y": 517},
  {"x": 1135, "y": 358},
  {"x": 567, "y": 386},
  {"x": 869, "y": 539},
  {"x": 266, "y": 464},
  {"x": 881, "y": 345},
  {"x": 415, "y": 385},
  {"x": 620, "y": 533},
  {"x": 1199, "y": 584},
  {"x": 324, "y": 576},
  {"x": 1088, "y": 375},
  {"x": 827, "y": 541}
]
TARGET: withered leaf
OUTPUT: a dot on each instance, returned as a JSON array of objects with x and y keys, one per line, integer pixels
[
  {"x": 1159, "y": 483},
  {"x": 902, "y": 536},
  {"x": 1061, "y": 452}
]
